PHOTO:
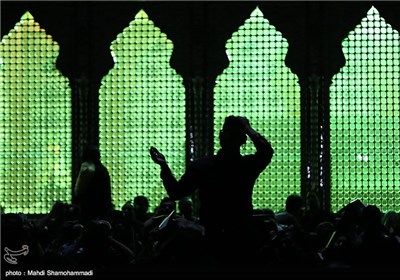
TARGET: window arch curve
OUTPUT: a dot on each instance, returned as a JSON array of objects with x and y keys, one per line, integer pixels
[
  {"x": 36, "y": 124},
  {"x": 141, "y": 104},
  {"x": 258, "y": 85},
  {"x": 365, "y": 117}
]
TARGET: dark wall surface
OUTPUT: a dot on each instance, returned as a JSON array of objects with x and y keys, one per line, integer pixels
[{"x": 199, "y": 31}]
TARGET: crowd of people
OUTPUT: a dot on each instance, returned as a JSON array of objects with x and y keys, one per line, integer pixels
[
  {"x": 227, "y": 233},
  {"x": 300, "y": 236}
]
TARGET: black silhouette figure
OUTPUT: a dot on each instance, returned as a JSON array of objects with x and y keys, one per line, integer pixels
[
  {"x": 93, "y": 186},
  {"x": 185, "y": 207},
  {"x": 225, "y": 182},
  {"x": 141, "y": 208}
]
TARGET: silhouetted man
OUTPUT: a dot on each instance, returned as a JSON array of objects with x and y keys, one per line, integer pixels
[
  {"x": 93, "y": 186},
  {"x": 225, "y": 181}
]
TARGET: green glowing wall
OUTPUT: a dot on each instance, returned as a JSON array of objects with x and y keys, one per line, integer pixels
[
  {"x": 258, "y": 85},
  {"x": 365, "y": 117},
  {"x": 142, "y": 104},
  {"x": 35, "y": 121}
]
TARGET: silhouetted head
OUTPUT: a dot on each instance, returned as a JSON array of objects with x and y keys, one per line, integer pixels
[
  {"x": 128, "y": 206},
  {"x": 232, "y": 134},
  {"x": 391, "y": 220},
  {"x": 91, "y": 153},
  {"x": 294, "y": 204},
  {"x": 59, "y": 210},
  {"x": 166, "y": 206},
  {"x": 141, "y": 204},
  {"x": 185, "y": 206}
]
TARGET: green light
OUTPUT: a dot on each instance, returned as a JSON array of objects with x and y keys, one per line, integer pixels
[
  {"x": 142, "y": 104},
  {"x": 369, "y": 114},
  {"x": 35, "y": 130},
  {"x": 270, "y": 98}
]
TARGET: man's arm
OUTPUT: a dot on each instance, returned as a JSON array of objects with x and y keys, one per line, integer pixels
[
  {"x": 85, "y": 176},
  {"x": 175, "y": 189},
  {"x": 263, "y": 147}
]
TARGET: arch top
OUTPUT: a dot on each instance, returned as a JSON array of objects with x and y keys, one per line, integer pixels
[
  {"x": 141, "y": 15},
  {"x": 256, "y": 12},
  {"x": 27, "y": 16}
]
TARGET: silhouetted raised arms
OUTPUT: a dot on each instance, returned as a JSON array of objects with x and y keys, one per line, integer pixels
[
  {"x": 212, "y": 175},
  {"x": 157, "y": 157}
]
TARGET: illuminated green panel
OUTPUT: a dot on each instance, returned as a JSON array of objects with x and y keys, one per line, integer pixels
[
  {"x": 35, "y": 121},
  {"x": 142, "y": 104},
  {"x": 365, "y": 117},
  {"x": 258, "y": 85}
]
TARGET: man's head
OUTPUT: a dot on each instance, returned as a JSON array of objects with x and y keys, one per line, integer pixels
[
  {"x": 185, "y": 207},
  {"x": 295, "y": 205},
  {"x": 141, "y": 204},
  {"x": 233, "y": 133},
  {"x": 166, "y": 206},
  {"x": 91, "y": 153}
]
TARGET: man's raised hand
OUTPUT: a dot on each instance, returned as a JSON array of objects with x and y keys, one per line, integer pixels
[{"x": 156, "y": 156}]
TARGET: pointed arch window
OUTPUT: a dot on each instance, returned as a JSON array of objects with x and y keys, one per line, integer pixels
[
  {"x": 35, "y": 121},
  {"x": 258, "y": 85},
  {"x": 365, "y": 117},
  {"x": 141, "y": 104}
]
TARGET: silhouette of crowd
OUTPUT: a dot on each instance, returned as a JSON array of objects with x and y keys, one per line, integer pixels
[
  {"x": 133, "y": 238},
  {"x": 228, "y": 233}
]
